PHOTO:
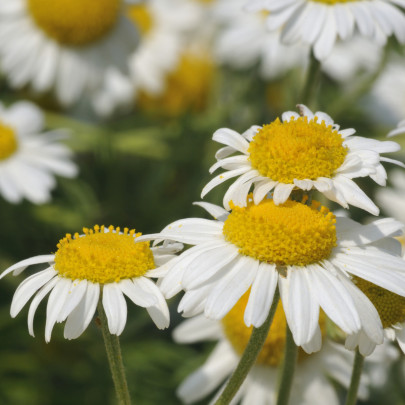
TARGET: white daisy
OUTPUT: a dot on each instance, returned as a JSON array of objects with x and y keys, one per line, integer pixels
[
  {"x": 163, "y": 27},
  {"x": 65, "y": 46},
  {"x": 391, "y": 308},
  {"x": 244, "y": 41},
  {"x": 29, "y": 157},
  {"x": 103, "y": 264},
  {"x": 319, "y": 22},
  {"x": 312, "y": 385},
  {"x": 300, "y": 152},
  {"x": 294, "y": 246}
]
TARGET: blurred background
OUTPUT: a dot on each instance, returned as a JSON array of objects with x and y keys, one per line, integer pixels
[{"x": 144, "y": 161}]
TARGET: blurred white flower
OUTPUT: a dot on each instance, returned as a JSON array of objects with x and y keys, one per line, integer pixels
[
  {"x": 243, "y": 41},
  {"x": 320, "y": 22},
  {"x": 312, "y": 385},
  {"x": 104, "y": 264},
  {"x": 163, "y": 28},
  {"x": 66, "y": 46},
  {"x": 29, "y": 157}
]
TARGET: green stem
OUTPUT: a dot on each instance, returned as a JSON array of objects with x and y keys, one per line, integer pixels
[
  {"x": 312, "y": 82},
  {"x": 287, "y": 372},
  {"x": 249, "y": 356},
  {"x": 355, "y": 381},
  {"x": 113, "y": 349}
]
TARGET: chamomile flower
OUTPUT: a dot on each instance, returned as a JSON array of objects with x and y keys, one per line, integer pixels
[
  {"x": 29, "y": 157},
  {"x": 244, "y": 41},
  {"x": 300, "y": 152},
  {"x": 320, "y": 22},
  {"x": 65, "y": 46},
  {"x": 305, "y": 250},
  {"x": 312, "y": 375},
  {"x": 391, "y": 308},
  {"x": 101, "y": 264}
]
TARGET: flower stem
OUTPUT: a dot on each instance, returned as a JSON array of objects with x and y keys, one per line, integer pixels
[
  {"x": 113, "y": 349},
  {"x": 312, "y": 82},
  {"x": 249, "y": 356},
  {"x": 287, "y": 372},
  {"x": 355, "y": 381}
]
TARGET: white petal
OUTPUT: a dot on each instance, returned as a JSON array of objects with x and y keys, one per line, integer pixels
[
  {"x": 28, "y": 288},
  {"x": 136, "y": 294},
  {"x": 315, "y": 344},
  {"x": 56, "y": 302},
  {"x": 75, "y": 295},
  {"x": 115, "y": 308},
  {"x": 282, "y": 192},
  {"x": 231, "y": 138},
  {"x": 215, "y": 211},
  {"x": 261, "y": 295},
  {"x": 23, "y": 264},
  {"x": 232, "y": 286},
  {"x": 197, "y": 329},
  {"x": 261, "y": 189},
  {"x": 81, "y": 316}
]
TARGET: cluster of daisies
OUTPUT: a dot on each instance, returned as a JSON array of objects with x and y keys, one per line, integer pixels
[{"x": 271, "y": 234}]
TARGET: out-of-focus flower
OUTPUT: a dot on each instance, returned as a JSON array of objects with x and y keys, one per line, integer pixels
[
  {"x": 294, "y": 246},
  {"x": 312, "y": 385},
  {"x": 399, "y": 130},
  {"x": 163, "y": 30},
  {"x": 307, "y": 151},
  {"x": 104, "y": 264},
  {"x": 244, "y": 41},
  {"x": 29, "y": 157},
  {"x": 67, "y": 46},
  {"x": 320, "y": 22}
]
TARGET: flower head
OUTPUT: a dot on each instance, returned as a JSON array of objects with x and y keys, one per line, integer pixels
[
  {"x": 29, "y": 157},
  {"x": 103, "y": 263},
  {"x": 305, "y": 250},
  {"x": 67, "y": 47},
  {"x": 307, "y": 151},
  {"x": 320, "y": 22}
]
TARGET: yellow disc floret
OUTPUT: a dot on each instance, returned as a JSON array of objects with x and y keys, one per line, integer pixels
[
  {"x": 103, "y": 257},
  {"x": 298, "y": 149},
  {"x": 390, "y": 306},
  {"x": 75, "y": 22},
  {"x": 287, "y": 234},
  {"x": 238, "y": 333},
  {"x": 8, "y": 141},
  {"x": 335, "y": 1},
  {"x": 141, "y": 17}
]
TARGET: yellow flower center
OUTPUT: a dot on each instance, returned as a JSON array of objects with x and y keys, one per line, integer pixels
[
  {"x": 390, "y": 306},
  {"x": 287, "y": 234},
  {"x": 75, "y": 22},
  {"x": 141, "y": 17},
  {"x": 298, "y": 149},
  {"x": 8, "y": 141},
  {"x": 187, "y": 88},
  {"x": 103, "y": 257},
  {"x": 335, "y": 1},
  {"x": 272, "y": 353}
]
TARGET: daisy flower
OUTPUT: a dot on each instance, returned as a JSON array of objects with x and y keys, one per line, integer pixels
[
  {"x": 65, "y": 46},
  {"x": 320, "y": 22},
  {"x": 305, "y": 250},
  {"x": 29, "y": 157},
  {"x": 391, "y": 309},
  {"x": 246, "y": 34},
  {"x": 300, "y": 152},
  {"x": 312, "y": 375},
  {"x": 103, "y": 263}
]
